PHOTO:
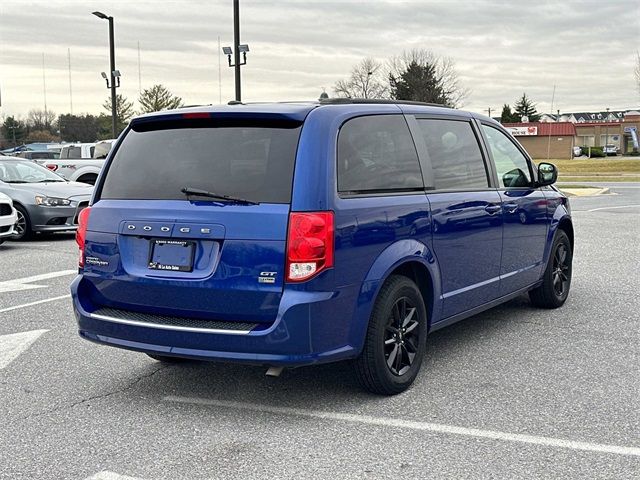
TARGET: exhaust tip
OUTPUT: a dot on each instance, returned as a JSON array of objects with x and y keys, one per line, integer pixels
[{"x": 274, "y": 371}]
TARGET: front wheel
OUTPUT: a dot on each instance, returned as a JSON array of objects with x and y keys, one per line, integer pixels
[
  {"x": 396, "y": 339},
  {"x": 22, "y": 227},
  {"x": 556, "y": 280}
]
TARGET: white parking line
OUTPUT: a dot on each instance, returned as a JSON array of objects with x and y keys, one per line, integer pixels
[
  {"x": 18, "y": 284},
  {"x": 610, "y": 208},
  {"x": 414, "y": 425},
  {"x": 24, "y": 305},
  {"x": 110, "y": 476},
  {"x": 12, "y": 345}
]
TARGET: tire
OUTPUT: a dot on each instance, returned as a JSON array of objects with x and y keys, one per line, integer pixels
[
  {"x": 391, "y": 357},
  {"x": 23, "y": 225},
  {"x": 168, "y": 359},
  {"x": 556, "y": 280}
]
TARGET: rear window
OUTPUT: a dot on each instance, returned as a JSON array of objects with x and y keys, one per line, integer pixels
[{"x": 248, "y": 160}]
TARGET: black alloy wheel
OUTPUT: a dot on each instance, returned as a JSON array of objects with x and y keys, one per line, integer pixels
[
  {"x": 561, "y": 269},
  {"x": 401, "y": 336},
  {"x": 556, "y": 281},
  {"x": 395, "y": 341}
]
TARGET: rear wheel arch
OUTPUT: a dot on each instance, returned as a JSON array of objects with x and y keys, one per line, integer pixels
[
  {"x": 418, "y": 274},
  {"x": 89, "y": 178}
]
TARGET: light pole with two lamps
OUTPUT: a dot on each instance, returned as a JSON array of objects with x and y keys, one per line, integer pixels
[{"x": 237, "y": 50}]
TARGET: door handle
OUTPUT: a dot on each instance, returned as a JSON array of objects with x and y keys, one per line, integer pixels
[
  {"x": 492, "y": 209},
  {"x": 511, "y": 207}
]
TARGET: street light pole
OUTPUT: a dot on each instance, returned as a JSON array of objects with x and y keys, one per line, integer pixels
[
  {"x": 236, "y": 50},
  {"x": 112, "y": 70}
]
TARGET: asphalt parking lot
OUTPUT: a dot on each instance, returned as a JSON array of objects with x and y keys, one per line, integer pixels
[{"x": 515, "y": 392}]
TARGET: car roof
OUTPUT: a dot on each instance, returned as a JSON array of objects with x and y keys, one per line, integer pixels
[{"x": 298, "y": 110}]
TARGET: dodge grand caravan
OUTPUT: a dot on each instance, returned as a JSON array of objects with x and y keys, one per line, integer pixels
[{"x": 299, "y": 233}]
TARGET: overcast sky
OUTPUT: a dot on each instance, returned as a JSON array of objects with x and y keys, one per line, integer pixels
[{"x": 586, "y": 48}]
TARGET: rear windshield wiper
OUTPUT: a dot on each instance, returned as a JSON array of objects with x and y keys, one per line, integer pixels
[{"x": 188, "y": 191}]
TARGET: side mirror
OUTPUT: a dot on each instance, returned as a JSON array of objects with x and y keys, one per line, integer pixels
[{"x": 547, "y": 174}]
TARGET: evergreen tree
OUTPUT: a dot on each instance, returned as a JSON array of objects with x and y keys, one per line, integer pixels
[
  {"x": 507, "y": 115},
  {"x": 124, "y": 111},
  {"x": 158, "y": 98},
  {"x": 14, "y": 131},
  {"x": 418, "y": 83},
  {"x": 526, "y": 108}
]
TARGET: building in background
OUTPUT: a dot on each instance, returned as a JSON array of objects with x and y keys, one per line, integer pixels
[{"x": 556, "y": 135}]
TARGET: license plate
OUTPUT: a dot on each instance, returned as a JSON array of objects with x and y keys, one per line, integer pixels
[{"x": 172, "y": 255}]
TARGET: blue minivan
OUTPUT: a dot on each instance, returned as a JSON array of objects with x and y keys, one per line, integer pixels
[{"x": 289, "y": 234}]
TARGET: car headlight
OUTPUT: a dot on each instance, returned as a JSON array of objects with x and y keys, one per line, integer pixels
[{"x": 51, "y": 201}]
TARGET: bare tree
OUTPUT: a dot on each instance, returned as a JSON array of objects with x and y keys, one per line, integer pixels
[
  {"x": 368, "y": 79},
  {"x": 444, "y": 69},
  {"x": 41, "y": 120}
]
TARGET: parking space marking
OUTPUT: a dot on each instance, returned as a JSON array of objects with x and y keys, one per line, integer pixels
[
  {"x": 413, "y": 425},
  {"x": 110, "y": 476},
  {"x": 12, "y": 345},
  {"x": 18, "y": 284},
  {"x": 24, "y": 305},
  {"x": 607, "y": 208}
]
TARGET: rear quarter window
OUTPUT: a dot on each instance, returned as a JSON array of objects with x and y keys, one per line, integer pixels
[
  {"x": 253, "y": 161},
  {"x": 376, "y": 154}
]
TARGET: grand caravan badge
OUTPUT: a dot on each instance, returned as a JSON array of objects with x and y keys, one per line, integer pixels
[{"x": 267, "y": 277}]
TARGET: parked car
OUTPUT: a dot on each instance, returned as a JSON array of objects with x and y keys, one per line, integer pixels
[
  {"x": 41, "y": 155},
  {"x": 610, "y": 150},
  {"x": 283, "y": 234},
  {"x": 44, "y": 201},
  {"x": 8, "y": 217}
]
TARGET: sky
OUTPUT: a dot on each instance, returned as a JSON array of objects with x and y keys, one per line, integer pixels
[{"x": 586, "y": 48}]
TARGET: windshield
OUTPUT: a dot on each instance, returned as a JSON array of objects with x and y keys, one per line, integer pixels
[
  {"x": 12, "y": 171},
  {"x": 248, "y": 160}
]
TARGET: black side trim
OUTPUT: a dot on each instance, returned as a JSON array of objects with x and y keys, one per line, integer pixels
[{"x": 486, "y": 306}]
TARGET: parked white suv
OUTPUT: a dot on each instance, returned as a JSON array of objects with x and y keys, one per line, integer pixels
[
  {"x": 8, "y": 217},
  {"x": 610, "y": 150}
]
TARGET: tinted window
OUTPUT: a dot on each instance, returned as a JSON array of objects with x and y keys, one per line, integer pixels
[
  {"x": 511, "y": 165},
  {"x": 455, "y": 155},
  {"x": 377, "y": 154},
  {"x": 70, "y": 152},
  {"x": 254, "y": 162}
]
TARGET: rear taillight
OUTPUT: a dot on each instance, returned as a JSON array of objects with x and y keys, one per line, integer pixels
[
  {"x": 81, "y": 233},
  {"x": 52, "y": 166},
  {"x": 309, "y": 244}
]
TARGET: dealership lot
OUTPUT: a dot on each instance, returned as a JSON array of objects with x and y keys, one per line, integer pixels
[{"x": 515, "y": 392}]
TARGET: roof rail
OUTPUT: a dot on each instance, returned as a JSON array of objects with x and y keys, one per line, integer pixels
[{"x": 346, "y": 101}]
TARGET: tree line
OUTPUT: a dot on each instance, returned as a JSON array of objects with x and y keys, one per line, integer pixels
[{"x": 45, "y": 126}]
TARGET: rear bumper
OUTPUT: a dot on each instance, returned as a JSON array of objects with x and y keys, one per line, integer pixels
[{"x": 308, "y": 329}]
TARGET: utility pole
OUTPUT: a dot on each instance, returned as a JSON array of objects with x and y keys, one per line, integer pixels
[
  {"x": 70, "y": 91},
  {"x": 44, "y": 88},
  {"x": 139, "y": 72},
  {"x": 219, "y": 73},
  {"x": 236, "y": 50}
]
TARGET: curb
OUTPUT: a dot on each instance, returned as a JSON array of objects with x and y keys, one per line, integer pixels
[{"x": 584, "y": 191}]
